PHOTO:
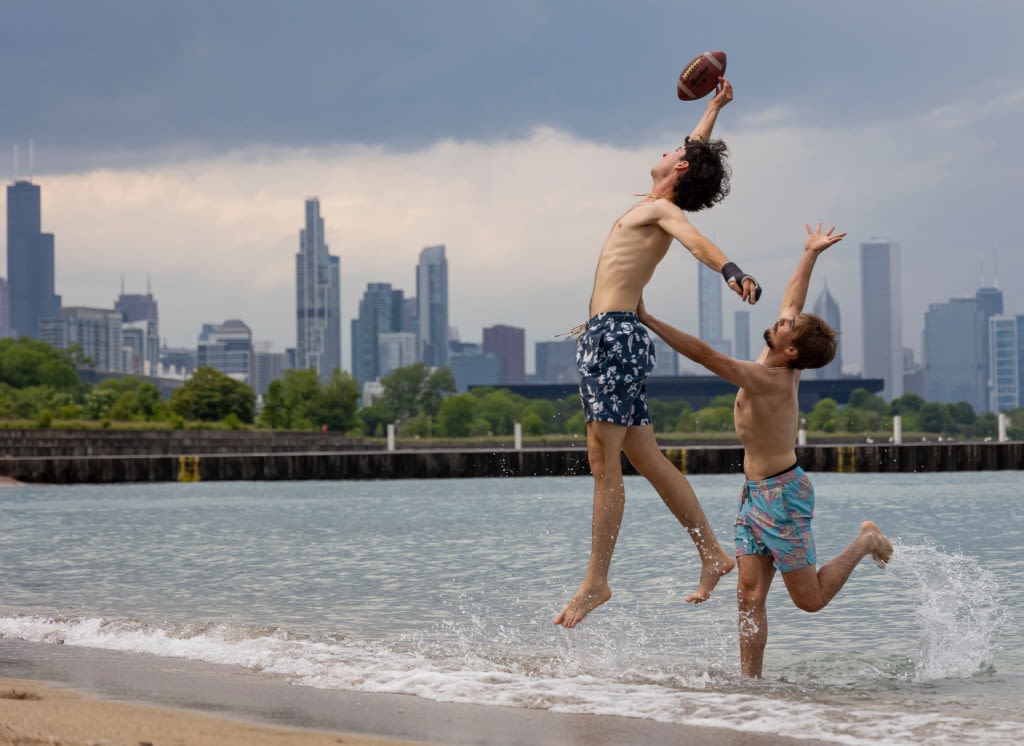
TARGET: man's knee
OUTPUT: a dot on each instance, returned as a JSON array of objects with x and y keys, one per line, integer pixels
[
  {"x": 750, "y": 594},
  {"x": 808, "y": 603}
]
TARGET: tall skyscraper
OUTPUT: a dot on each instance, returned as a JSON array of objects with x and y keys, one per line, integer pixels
[
  {"x": 317, "y": 299},
  {"x": 741, "y": 325},
  {"x": 5, "y": 310},
  {"x": 827, "y": 309},
  {"x": 30, "y": 261},
  {"x": 709, "y": 296},
  {"x": 1006, "y": 349},
  {"x": 381, "y": 311},
  {"x": 140, "y": 313},
  {"x": 953, "y": 350},
  {"x": 990, "y": 303},
  {"x": 432, "y": 305},
  {"x": 881, "y": 305}
]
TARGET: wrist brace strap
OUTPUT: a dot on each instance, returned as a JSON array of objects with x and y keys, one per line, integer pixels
[{"x": 731, "y": 272}]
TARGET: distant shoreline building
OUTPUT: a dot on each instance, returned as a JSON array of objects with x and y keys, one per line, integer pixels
[
  {"x": 826, "y": 308},
  {"x": 317, "y": 299},
  {"x": 30, "y": 262},
  {"x": 881, "y": 306},
  {"x": 432, "y": 306}
]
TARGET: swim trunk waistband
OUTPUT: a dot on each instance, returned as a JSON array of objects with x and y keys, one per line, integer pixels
[
  {"x": 778, "y": 479},
  {"x": 617, "y": 315}
]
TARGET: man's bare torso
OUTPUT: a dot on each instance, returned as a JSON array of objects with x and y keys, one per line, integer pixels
[
  {"x": 766, "y": 423},
  {"x": 635, "y": 245}
]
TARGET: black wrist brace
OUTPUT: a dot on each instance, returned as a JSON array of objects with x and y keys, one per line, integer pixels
[{"x": 731, "y": 272}]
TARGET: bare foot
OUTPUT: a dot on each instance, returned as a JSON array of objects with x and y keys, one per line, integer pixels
[
  {"x": 584, "y": 602},
  {"x": 878, "y": 544},
  {"x": 711, "y": 571}
]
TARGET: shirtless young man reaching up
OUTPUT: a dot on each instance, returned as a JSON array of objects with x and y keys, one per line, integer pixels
[
  {"x": 773, "y": 524},
  {"x": 615, "y": 355}
]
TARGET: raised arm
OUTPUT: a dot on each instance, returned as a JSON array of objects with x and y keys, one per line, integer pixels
[
  {"x": 723, "y": 95},
  {"x": 796, "y": 291},
  {"x": 740, "y": 373},
  {"x": 673, "y": 221}
]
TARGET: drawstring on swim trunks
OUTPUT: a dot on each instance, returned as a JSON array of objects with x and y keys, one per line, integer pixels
[{"x": 575, "y": 332}]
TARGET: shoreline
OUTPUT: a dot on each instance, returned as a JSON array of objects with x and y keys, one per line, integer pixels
[{"x": 91, "y": 696}]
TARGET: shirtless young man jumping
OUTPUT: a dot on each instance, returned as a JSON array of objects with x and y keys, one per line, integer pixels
[
  {"x": 773, "y": 524},
  {"x": 615, "y": 355}
]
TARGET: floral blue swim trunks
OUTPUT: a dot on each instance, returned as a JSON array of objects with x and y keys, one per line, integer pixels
[
  {"x": 615, "y": 355},
  {"x": 774, "y": 518}
]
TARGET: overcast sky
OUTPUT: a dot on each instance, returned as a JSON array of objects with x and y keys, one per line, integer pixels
[{"x": 177, "y": 141}]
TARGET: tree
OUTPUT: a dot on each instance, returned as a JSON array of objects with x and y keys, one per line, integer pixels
[
  {"x": 499, "y": 408},
  {"x": 455, "y": 418},
  {"x": 546, "y": 414},
  {"x": 210, "y": 395},
  {"x": 127, "y": 398},
  {"x": 336, "y": 403},
  {"x": 714, "y": 419},
  {"x": 663, "y": 414},
  {"x": 687, "y": 421},
  {"x": 863, "y": 399},
  {"x": 905, "y": 404},
  {"x": 415, "y": 389},
  {"x": 823, "y": 417},
  {"x": 934, "y": 418},
  {"x": 962, "y": 413},
  {"x": 29, "y": 362}
]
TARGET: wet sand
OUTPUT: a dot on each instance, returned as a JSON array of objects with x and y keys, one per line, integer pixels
[{"x": 69, "y": 696}]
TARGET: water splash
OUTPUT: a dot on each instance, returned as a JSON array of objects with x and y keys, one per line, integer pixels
[{"x": 958, "y": 613}]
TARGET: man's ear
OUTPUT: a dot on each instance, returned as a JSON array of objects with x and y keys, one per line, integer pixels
[
  {"x": 681, "y": 166},
  {"x": 791, "y": 352}
]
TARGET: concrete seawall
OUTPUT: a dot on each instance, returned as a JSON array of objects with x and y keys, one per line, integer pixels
[{"x": 484, "y": 462}]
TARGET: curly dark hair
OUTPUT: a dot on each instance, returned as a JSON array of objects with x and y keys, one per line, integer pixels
[
  {"x": 815, "y": 342},
  {"x": 706, "y": 182}
]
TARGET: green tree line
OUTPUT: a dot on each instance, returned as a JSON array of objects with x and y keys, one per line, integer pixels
[{"x": 39, "y": 384}]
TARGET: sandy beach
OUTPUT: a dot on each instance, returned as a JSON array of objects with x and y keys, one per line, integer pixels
[
  {"x": 33, "y": 713},
  {"x": 57, "y": 694}
]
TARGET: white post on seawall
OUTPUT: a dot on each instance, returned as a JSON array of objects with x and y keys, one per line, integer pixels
[
  {"x": 391, "y": 437},
  {"x": 897, "y": 429},
  {"x": 1003, "y": 422},
  {"x": 801, "y": 434},
  {"x": 519, "y": 436}
]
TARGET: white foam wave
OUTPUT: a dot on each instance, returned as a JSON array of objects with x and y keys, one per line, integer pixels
[
  {"x": 959, "y": 612},
  {"x": 411, "y": 668}
]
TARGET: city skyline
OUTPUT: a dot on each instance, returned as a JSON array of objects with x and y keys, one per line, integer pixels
[{"x": 170, "y": 147}]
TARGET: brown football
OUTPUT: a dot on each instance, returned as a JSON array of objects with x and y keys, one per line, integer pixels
[{"x": 700, "y": 76}]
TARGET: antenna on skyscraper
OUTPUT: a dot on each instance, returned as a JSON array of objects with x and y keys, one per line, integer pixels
[
  {"x": 31, "y": 158},
  {"x": 995, "y": 272},
  {"x": 122, "y": 284},
  {"x": 15, "y": 162}
]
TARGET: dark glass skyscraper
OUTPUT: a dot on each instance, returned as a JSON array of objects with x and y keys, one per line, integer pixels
[
  {"x": 317, "y": 299},
  {"x": 381, "y": 311},
  {"x": 30, "y": 261},
  {"x": 827, "y": 309}
]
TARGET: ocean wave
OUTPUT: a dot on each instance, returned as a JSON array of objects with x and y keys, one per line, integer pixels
[{"x": 469, "y": 674}]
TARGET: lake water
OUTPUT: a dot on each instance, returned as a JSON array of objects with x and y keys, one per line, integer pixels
[{"x": 445, "y": 589}]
